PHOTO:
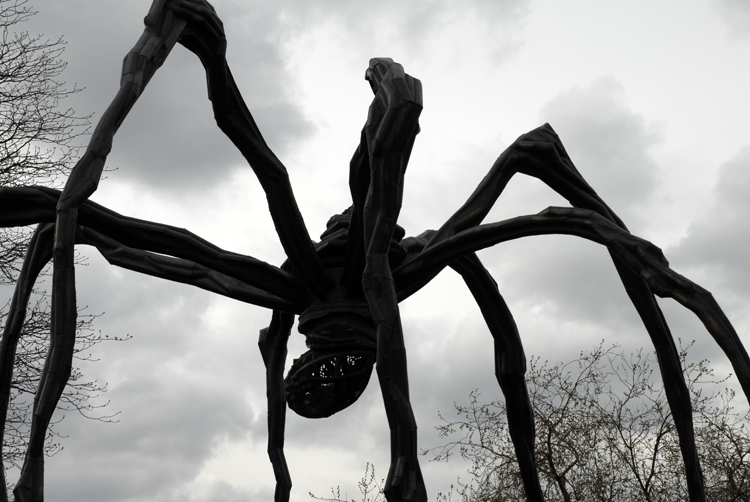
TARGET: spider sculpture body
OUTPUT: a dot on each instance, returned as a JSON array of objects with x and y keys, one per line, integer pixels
[{"x": 346, "y": 288}]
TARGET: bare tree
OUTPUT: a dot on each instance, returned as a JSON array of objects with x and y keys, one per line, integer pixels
[
  {"x": 370, "y": 489},
  {"x": 604, "y": 432},
  {"x": 37, "y": 143}
]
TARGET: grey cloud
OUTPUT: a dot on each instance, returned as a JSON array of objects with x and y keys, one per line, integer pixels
[
  {"x": 168, "y": 428},
  {"x": 161, "y": 444},
  {"x": 170, "y": 139},
  {"x": 219, "y": 491},
  {"x": 559, "y": 287},
  {"x": 736, "y": 15},
  {"x": 141, "y": 303},
  {"x": 412, "y": 25},
  {"x": 717, "y": 240},
  {"x": 609, "y": 144},
  {"x": 573, "y": 277}
]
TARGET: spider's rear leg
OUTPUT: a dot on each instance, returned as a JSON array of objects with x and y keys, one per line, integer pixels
[
  {"x": 54, "y": 378},
  {"x": 543, "y": 156},
  {"x": 510, "y": 367},
  {"x": 678, "y": 394},
  {"x": 30, "y": 486},
  {"x": 642, "y": 268},
  {"x": 540, "y": 154}
]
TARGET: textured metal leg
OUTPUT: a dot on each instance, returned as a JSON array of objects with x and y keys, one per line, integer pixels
[
  {"x": 390, "y": 131},
  {"x": 205, "y": 37},
  {"x": 678, "y": 395},
  {"x": 639, "y": 255},
  {"x": 644, "y": 271},
  {"x": 36, "y": 204},
  {"x": 272, "y": 343},
  {"x": 540, "y": 154},
  {"x": 37, "y": 256},
  {"x": 57, "y": 368},
  {"x": 183, "y": 271},
  {"x": 404, "y": 481},
  {"x": 140, "y": 64},
  {"x": 510, "y": 367},
  {"x": 359, "y": 184}
]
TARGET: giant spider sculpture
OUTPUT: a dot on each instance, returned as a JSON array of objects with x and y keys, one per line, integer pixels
[{"x": 345, "y": 288}]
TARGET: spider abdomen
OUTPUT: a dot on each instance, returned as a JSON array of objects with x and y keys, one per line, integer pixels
[{"x": 319, "y": 385}]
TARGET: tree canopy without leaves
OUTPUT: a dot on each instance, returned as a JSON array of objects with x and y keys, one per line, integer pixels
[
  {"x": 604, "y": 432},
  {"x": 37, "y": 143},
  {"x": 370, "y": 489}
]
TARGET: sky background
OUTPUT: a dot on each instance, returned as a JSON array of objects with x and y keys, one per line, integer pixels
[{"x": 649, "y": 98}]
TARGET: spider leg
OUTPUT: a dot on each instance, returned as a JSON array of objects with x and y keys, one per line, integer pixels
[
  {"x": 183, "y": 271},
  {"x": 54, "y": 378},
  {"x": 642, "y": 257},
  {"x": 540, "y": 154},
  {"x": 510, "y": 366},
  {"x": 510, "y": 360},
  {"x": 273, "y": 348},
  {"x": 38, "y": 255},
  {"x": 139, "y": 66},
  {"x": 644, "y": 271},
  {"x": 35, "y": 204},
  {"x": 235, "y": 120},
  {"x": 359, "y": 184},
  {"x": 390, "y": 131}
]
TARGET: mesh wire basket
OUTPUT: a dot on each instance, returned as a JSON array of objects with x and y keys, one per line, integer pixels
[{"x": 319, "y": 385}]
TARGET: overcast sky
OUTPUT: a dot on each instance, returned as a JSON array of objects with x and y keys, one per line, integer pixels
[{"x": 649, "y": 98}]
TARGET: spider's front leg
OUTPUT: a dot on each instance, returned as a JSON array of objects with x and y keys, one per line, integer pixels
[
  {"x": 390, "y": 130},
  {"x": 540, "y": 154},
  {"x": 204, "y": 36}
]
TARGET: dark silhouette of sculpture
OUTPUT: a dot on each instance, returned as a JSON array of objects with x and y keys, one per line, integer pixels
[{"x": 347, "y": 287}]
